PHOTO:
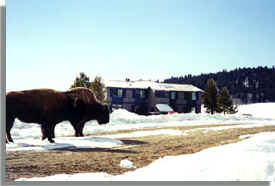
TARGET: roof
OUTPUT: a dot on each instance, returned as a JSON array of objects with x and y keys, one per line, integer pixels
[{"x": 141, "y": 84}]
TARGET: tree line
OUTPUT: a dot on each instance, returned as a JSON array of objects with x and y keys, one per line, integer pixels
[{"x": 248, "y": 85}]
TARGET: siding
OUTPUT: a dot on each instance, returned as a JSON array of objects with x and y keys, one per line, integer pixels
[{"x": 130, "y": 100}]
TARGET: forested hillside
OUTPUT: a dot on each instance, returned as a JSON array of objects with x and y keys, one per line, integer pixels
[{"x": 246, "y": 85}]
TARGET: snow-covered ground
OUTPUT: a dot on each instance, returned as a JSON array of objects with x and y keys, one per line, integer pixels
[
  {"x": 264, "y": 110},
  {"x": 249, "y": 160},
  {"x": 194, "y": 167}
]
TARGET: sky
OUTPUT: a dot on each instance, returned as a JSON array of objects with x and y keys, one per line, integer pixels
[{"x": 48, "y": 43}]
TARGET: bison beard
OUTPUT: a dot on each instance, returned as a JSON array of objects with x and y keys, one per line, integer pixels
[{"x": 49, "y": 107}]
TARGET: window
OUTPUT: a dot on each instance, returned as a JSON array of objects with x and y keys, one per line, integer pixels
[
  {"x": 161, "y": 94},
  {"x": 140, "y": 93},
  {"x": 118, "y": 92},
  {"x": 173, "y": 95},
  {"x": 194, "y": 97},
  {"x": 187, "y": 96}
]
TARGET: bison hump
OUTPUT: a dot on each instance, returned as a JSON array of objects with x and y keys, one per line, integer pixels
[{"x": 84, "y": 94}]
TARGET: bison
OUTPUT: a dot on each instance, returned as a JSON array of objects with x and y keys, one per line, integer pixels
[{"x": 49, "y": 107}]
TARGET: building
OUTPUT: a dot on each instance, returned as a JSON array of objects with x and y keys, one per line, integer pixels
[{"x": 142, "y": 96}]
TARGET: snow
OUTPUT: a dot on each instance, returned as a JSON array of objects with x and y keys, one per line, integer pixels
[
  {"x": 264, "y": 110},
  {"x": 64, "y": 142},
  {"x": 251, "y": 159},
  {"x": 127, "y": 164},
  {"x": 143, "y": 84},
  {"x": 103, "y": 141},
  {"x": 224, "y": 163}
]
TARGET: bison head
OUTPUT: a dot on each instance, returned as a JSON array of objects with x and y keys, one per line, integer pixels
[
  {"x": 103, "y": 116},
  {"x": 92, "y": 111}
]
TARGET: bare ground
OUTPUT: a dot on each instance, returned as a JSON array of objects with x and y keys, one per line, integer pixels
[{"x": 140, "y": 150}]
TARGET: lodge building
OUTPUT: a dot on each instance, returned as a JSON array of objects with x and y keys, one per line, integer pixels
[{"x": 142, "y": 96}]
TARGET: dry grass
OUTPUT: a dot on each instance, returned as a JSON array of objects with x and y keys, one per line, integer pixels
[{"x": 140, "y": 150}]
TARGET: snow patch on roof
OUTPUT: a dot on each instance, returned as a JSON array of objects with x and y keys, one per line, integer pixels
[{"x": 141, "y": 84}]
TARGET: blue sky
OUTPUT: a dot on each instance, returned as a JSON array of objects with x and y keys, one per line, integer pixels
[{"x": 50, "y": 42}]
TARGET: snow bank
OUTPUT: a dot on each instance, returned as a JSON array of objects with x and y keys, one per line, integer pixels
[
  {"x": 122, "y": 116},
  {"x": 250, "y": 160},
  {"x": 263, "y": 110}
]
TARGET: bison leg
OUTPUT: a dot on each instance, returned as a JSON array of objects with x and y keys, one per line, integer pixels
[
  {"x": 81, "y": 126},
  {"x": 52, "y": 133},
  {"x": 43, "y": 131},
  {"x": 44, "y": 135},
  {"x": 9, "y": 124},
  {"x": 77, "y": 133},
  {"x": 50, "y": 137},
  {"x": 78, "y": 128},
  {"x": 47, "y": 132}
]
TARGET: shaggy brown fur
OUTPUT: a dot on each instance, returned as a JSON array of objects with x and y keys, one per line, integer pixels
[
  {"x": 49, "y": 107},
  {"x": 84, "y": 94}
]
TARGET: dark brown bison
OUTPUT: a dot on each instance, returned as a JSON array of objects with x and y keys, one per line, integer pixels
[{"x": 49, "y": 107}]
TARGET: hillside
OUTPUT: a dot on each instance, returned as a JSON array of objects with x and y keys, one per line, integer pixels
[{"x": 246, "y": 85}]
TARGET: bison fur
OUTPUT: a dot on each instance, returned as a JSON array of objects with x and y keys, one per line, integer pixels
[{"x": 49, "y": 107}]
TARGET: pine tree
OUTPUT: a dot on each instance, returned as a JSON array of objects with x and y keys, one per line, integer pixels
[
  {"x": 225, "y": 102},
  {"x": 81, "y": 81},
  {"x": 210, "y": 97},
  {"x": 98, "y": 87},
  {"x": 224, "y": 99}
]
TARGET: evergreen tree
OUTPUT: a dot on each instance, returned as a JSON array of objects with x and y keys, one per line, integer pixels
[
  {"x": 82, "y": 81},
  {"x": 210, "y": 97},
  {"x": 98, "y": 87},
  {"x": 225, "y": 102}
]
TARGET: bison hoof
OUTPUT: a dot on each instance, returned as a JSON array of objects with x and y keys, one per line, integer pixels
[{"x": 51, "y": 141}]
